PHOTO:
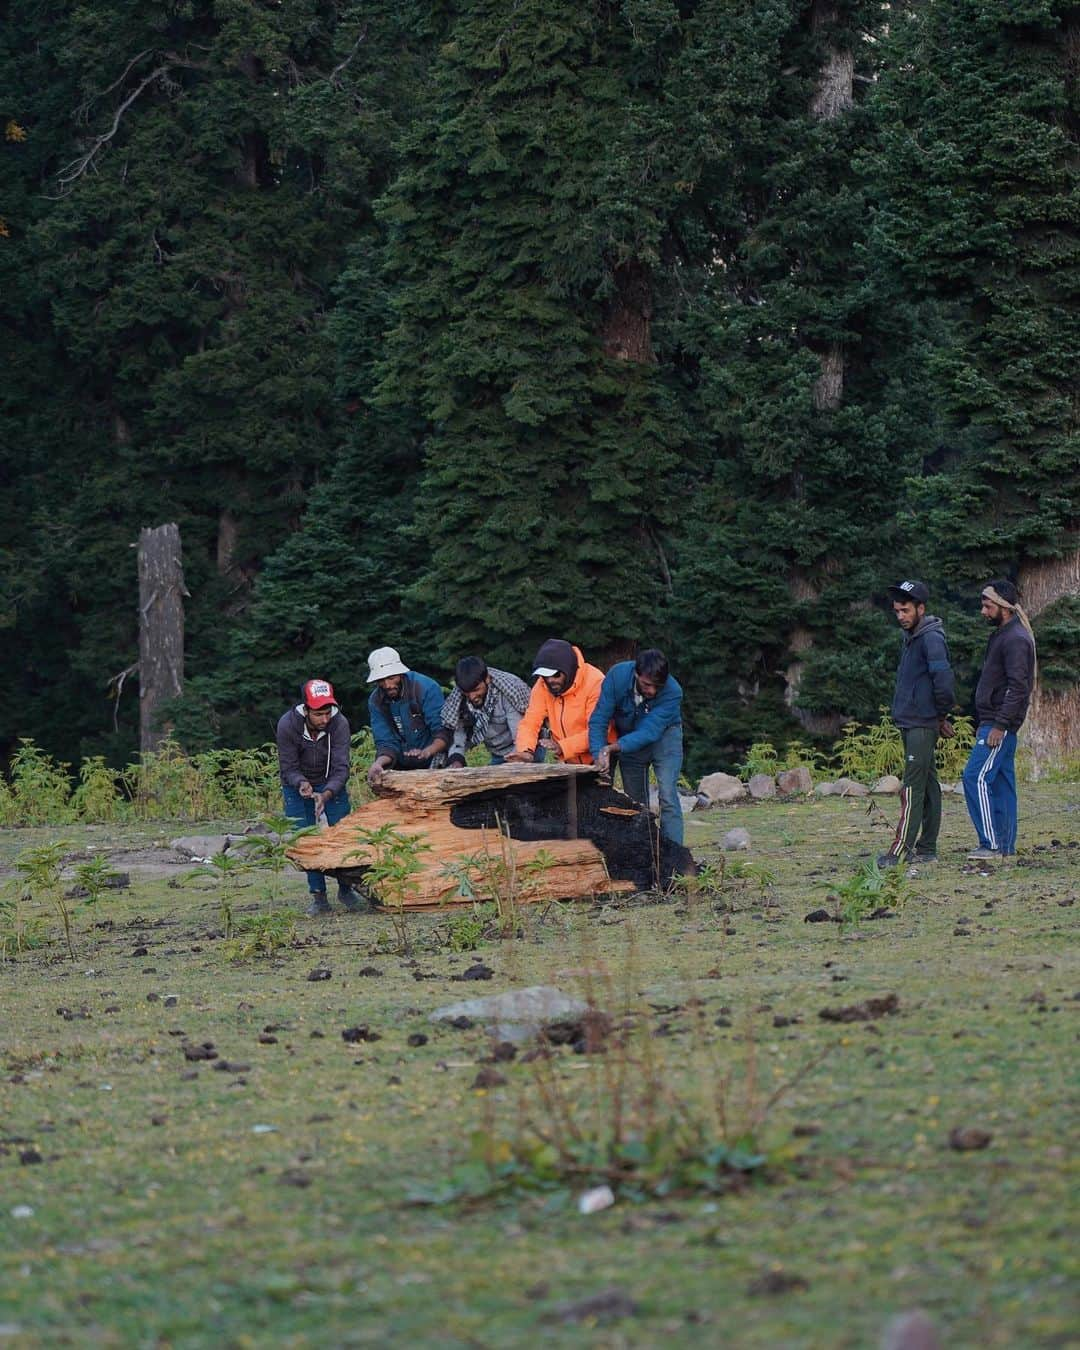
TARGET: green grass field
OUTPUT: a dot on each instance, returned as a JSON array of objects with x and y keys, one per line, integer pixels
[{"x": 152, "y": 1201}]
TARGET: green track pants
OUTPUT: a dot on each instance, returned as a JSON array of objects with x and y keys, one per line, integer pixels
[{"x": 920, "y": 795}]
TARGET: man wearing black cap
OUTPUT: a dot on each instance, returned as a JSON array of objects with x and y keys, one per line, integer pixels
[
  {"x": 1001, "y": 703},
  {"x": 922, "y": 700}
]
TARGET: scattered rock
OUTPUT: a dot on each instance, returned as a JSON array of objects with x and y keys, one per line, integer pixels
[
  {"x": 204, "y": 1051},
  {"x": 417, "y": 1039},
  {"x": 793, "y": 781},
  {"x": 319, "y": 973},
  {"x": 762, "y": 786},
  {"x": 231, "y": 1066},
  {"x": 200, "y": 847},
  {"x": 295, "y": 1176},
  {"x": 140, "y": 951},
  {"x": 267, "y": 1039},
  {"x": 847, "y": 787},
  {"x": 460, "y": 1023},
  {"x": 825, "y": 790},
  {"x": 735, "y": 840},
  {"x": 350, "y": 1035},
  {"x": 478, "y": 971},
  {"x": 887, "y": 785},
  {"x": 595, "y": 1200},
  {"x": 911, "y": 1331},
  {"x": 719, "y": 789},
  {"x": 371, "y": 972},
  {"x": 820, "y": 916},
  {"x": 688, "y": 804},
  {"x": 968, "y": 1139},
  {"x": 516, "y": 1015},
  {"x": 170, "y": 1000},
  {"x": 586, "y": 1034},
  {"x": 503, "y": 1051},
  {"x": 870, "y": 1011},
  {"x": 488, "y": 1078},
  {"x": 28, "y": 1156},
  {"x": 776, "y": 1281},
  {"x": 158, "y": 1120},
  {"x": 781, "y": 1021},
  {"x": 607, "y": 1306}
]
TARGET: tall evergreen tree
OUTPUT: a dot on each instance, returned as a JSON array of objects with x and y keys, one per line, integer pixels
[
  {"x": 525, "y": 233},
  {"x": 981, "y": 113},
  {"x": 795, "y": 353}
]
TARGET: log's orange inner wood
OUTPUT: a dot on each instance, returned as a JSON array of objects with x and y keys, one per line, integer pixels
[{"x": 418, "y": 805}]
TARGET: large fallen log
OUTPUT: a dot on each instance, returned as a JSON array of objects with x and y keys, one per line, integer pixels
[{"x": 522, "y": 832}]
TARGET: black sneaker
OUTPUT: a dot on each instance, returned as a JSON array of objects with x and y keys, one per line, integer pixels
[
  {"x": 922, "y": 855},
  {"x": 351, "y": 900},
  {"x": 319, "y": 905},
  {"x": 889, "y": 860}
]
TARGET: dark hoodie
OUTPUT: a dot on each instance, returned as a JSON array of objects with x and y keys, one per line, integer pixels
[
  {"x": 557, "y": 655},
  {"x": 925, "y": 690}
]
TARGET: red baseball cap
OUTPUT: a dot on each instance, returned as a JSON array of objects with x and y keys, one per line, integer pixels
[{"x": 318, "y": 694}]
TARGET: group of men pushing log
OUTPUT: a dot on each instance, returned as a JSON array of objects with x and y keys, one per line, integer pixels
[
  {"x": 573, "y": 712},
  {"x": 579, "y": 715}
]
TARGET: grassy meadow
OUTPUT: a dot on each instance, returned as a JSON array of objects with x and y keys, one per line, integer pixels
[{"x": 265, "y": 1196}]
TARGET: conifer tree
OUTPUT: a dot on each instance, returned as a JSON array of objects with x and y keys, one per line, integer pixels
[{"x": 981, "y": 112}]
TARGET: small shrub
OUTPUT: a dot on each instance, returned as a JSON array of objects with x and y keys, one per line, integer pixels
[
  {"x": 100, "y": 795},
  {"x": 39, "y": 869},
  {"x": 869, "y": 889},
  {"x": 391, "y": 861},
  {"x": 40, "y": 787},
  {"x": 262, "y": 935}
]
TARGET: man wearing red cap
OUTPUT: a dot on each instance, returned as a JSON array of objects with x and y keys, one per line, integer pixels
[{"x": 313, "y": 760}]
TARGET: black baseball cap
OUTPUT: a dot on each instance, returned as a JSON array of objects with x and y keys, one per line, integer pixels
[{"x": 918, "y": 592}]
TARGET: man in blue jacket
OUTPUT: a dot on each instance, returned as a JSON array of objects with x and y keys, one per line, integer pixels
[
  {"x": 406, "y": 719},
  {"x": 1001, "y": 703},
  {"x": 644, "y": 701},
  {"x": 924, "y": 695}
]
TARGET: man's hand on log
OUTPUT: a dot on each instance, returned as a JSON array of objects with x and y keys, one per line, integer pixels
[
  {"x": 375, "y": 773},
  {"x": 518, "y": 757},
  {"x": 603, "y": 760}
]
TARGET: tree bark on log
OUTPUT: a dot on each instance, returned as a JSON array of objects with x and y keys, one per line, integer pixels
[
  {"x": 161, "y": 629},
  {"x": 1052, "y": 728},
  {"x": 538, "y": 832}
]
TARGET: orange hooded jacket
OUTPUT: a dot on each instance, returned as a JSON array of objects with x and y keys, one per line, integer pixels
[{"x": 567, "y": 716}]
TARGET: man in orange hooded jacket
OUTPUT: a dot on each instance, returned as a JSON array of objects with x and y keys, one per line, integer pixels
[{"x": 564, "y": 696}]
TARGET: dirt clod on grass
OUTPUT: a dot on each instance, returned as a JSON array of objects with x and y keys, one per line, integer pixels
[
  {"x": 967, "y": 1139},
  {"x": 777, "y": 1281},
  {"x": 868, "y": 1011},
  {"x": 609, "y": 1305}
]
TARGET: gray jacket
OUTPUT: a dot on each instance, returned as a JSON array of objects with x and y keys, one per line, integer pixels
[{"x": 321, "y": 761}]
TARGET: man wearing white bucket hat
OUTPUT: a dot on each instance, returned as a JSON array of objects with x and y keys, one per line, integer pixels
[{"x": 406, "y": 722}]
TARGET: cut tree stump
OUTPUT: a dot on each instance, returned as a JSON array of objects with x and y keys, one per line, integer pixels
[{"x": 538, "y": 831}]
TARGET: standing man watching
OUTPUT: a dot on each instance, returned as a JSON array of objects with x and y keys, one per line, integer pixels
[
  {"x": 313, "y": 761},
  {"x": 564, "y": 696},
  {"x": 405, "y": 711},
  {"x": 485, "y": 707},
  {"x": 644, "y": 700},
  {"x": 1001, "y": 703},
  {"x": 924, "y": 696}
]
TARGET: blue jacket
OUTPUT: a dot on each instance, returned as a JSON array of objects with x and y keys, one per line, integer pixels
[
  {"x": 925, "y": 689},
  {"x": 638, "y": 722},
  {"x": 410, "y": 723}
]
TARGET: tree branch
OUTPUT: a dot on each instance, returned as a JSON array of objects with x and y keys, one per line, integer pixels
[
  {"x": 70, "y": 173},
  {"x": 82, "y": 111}
]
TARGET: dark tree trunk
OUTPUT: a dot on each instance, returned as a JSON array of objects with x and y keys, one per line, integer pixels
[{"x": 161, "y": 629}]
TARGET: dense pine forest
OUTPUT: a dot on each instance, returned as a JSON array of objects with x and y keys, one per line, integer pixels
[{"x": 457, "y": 325}]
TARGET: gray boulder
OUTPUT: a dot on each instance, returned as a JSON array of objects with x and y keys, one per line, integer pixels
[
  {"x": 719, "y": 789},
  {"x": 762, "y": 786},
  {"x": 793, "y": 781},
  {"x": 847, "y": 787},
  {"x": 888, "y": 784},
  {"x": 735, "y": 841},
  {"x": 200, "y": 847},
  {"x": 517, "y": 1015},
  {"x": 825, "y": 790}
]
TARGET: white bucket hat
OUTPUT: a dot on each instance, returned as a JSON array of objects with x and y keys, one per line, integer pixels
[{"x": 384, "y": 661}]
